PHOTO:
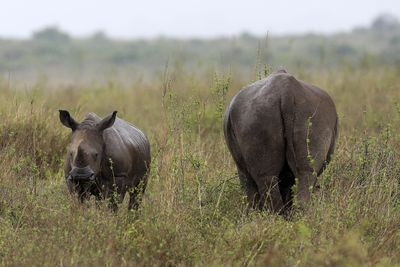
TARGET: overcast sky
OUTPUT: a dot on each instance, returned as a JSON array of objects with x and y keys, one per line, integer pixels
[{"x": 185, "y": 18}]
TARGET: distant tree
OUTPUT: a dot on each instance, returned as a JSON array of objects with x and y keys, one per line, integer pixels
[
  {"x": 247, "y": 36},
  {"x": 51, "y": 34},
  {"x": 99, "y": 36},
  {"x": 345, "y": 50},
  {"x": 385, "y": 22}
]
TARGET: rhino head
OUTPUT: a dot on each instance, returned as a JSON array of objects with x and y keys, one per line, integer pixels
[{"x": 85, "y": 154}]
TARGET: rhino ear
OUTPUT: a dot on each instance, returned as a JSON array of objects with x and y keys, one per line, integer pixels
[
  {"x": 67, "y": 120},
  {"x": 107, "y": 121}
]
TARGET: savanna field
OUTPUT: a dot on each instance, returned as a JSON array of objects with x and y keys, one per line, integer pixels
[{"x": 194, "y": 211}]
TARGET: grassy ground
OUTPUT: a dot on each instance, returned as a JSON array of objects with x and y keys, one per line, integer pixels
[{"x": 194, "y": 209}]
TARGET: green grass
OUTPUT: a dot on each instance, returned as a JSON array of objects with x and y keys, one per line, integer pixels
[{"x": 193, "y": 211}]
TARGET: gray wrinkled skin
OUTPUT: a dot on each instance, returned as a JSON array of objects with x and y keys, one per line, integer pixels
[
  {"x": 106, "y": 158},
  {"x": 266, "y": 128}
]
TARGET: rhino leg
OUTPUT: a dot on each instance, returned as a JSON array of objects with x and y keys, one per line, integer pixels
[
  {"x": 266, "y": 161},
  {"x": 83, "y": 193},
  {"x": 135, "y": 197},
  {"x": 114, "y": 194},
  {"x": 305, "y": 185},
  {"x": 270, "y": 196},
  {"x": 286, "y": 182},
  {"x": 133, "y": 201},
  {"x": 136, "y": 193},
  {"x": 116, "y": 199},
  {"x": 253, "y": 197}
]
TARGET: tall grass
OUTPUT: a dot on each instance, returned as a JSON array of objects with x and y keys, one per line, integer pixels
[{"x": 193, "y": 211}]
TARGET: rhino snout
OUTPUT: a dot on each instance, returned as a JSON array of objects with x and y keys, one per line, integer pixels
[{"x": 79, "y": 174}]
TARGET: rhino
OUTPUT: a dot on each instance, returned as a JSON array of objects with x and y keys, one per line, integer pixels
[
  {"x": 106, "y": 158},
  {"x": 281, "y": 132}
]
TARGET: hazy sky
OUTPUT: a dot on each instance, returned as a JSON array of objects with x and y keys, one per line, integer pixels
[{"x": 205, "y": 18}]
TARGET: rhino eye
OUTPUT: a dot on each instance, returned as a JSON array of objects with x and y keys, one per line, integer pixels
[{"x": 95, "y": 155}]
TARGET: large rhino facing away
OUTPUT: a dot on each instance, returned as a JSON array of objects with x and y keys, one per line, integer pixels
[
  {"x": 280, "y": 130},
  {"x": 106, "y": 158}
]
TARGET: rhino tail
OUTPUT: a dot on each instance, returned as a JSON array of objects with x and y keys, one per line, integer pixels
[{"x": 288, "y": 117}]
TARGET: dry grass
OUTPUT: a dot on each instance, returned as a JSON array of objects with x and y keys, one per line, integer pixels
[{"x": 193, "y": 210}]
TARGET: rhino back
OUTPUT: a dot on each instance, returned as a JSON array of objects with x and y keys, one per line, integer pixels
[{"x": 128, "y": 148}]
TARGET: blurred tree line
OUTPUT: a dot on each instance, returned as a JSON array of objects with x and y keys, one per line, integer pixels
[{"x": 51, "y": 50}]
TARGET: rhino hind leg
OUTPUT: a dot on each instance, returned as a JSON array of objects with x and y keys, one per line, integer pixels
[
  {"x": 270, "y": 196},
  {"x": 305, "y": 180},
  {"x": 264, "y": 194},
  {"x": 265, "y": 163},
  {"x": 286, "y": 182},
  {"x": 253, "y": 197},
  {"x": 306, "y": 183}
]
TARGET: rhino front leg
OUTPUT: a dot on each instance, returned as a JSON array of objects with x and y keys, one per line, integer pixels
[
  {"x": 136, "y": 194},
  {"x": 115, "y": 193}
]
